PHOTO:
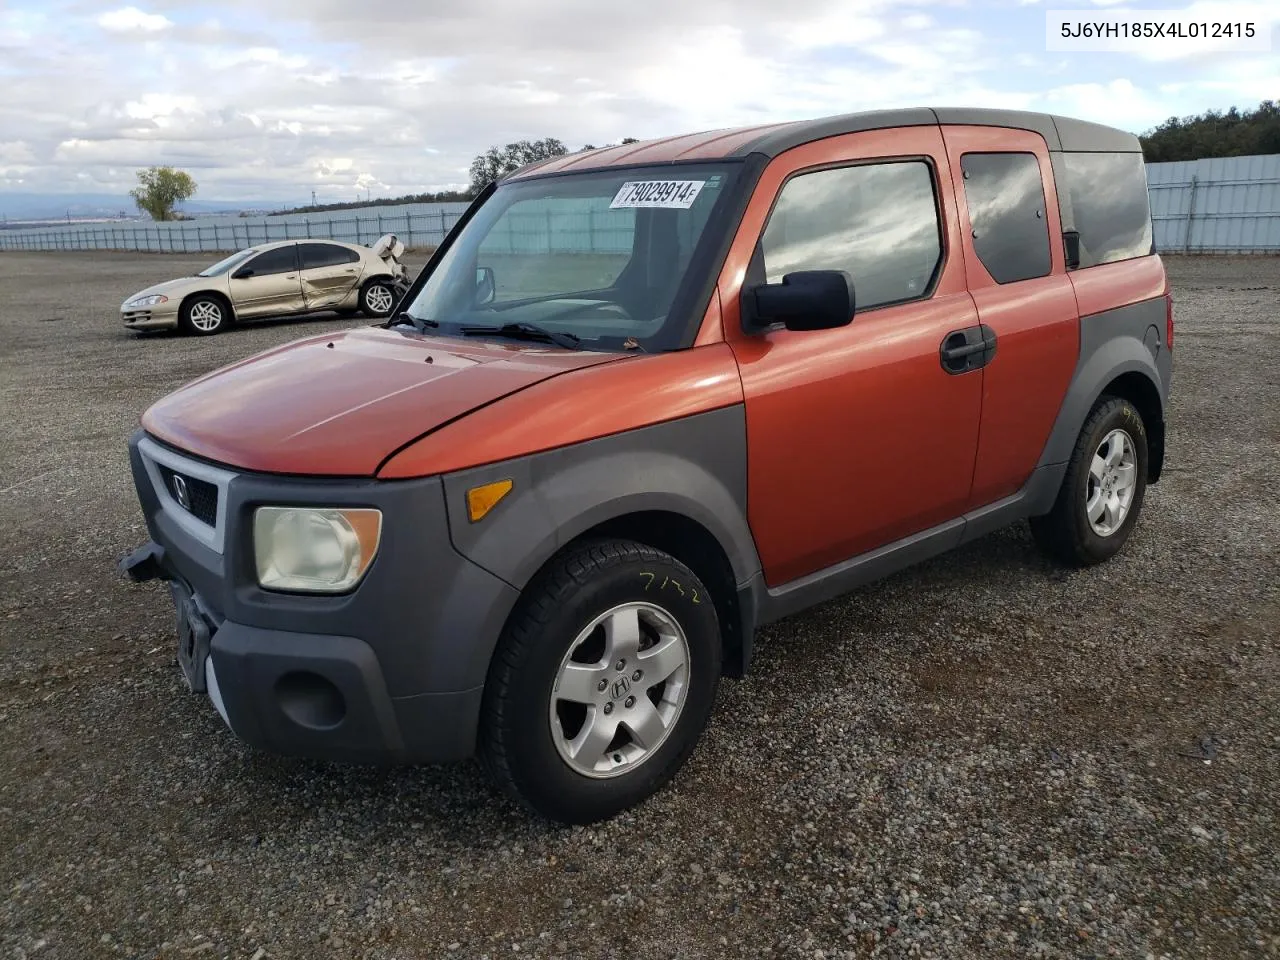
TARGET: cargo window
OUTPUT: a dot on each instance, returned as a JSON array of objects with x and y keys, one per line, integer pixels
[
  {"x": 1109, "y": 205},
  {"x": 1007, "y": 212},
  {"x": 878, "y": 223}
]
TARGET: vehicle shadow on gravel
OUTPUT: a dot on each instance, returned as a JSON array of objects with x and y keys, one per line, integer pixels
[{"x": 241, "y": 327}]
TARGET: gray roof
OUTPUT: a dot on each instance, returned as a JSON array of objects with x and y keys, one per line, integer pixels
[{"x": 1060, "y": 133}]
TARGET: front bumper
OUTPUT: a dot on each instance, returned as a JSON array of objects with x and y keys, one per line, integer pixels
[
  {"x": 161, "y": 317},
  {"x": 391, "y": 672}
]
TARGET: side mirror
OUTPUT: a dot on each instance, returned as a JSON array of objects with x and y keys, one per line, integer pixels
[
  {"x": 244, "y": 273},
  {"x": 805, "y": 300},
  {"x": 486, "y": 285}
]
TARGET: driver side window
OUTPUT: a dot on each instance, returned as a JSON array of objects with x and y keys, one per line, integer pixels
[{"x": 876, "y": 222}]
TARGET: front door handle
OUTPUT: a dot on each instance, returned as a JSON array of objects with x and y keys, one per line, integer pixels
[{"x": 967, "y": 349}]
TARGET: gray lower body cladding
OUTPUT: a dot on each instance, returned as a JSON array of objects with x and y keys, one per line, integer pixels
[{"x": 398, "y": 655}]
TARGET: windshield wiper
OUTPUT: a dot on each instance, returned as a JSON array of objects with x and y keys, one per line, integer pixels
[
  {"x": 526, "y": 331},
  {"x": 421, "y": 324}
]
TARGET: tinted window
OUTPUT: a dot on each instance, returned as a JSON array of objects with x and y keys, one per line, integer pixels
[
  {"x": 877, "y": 222},
  {"x": 1007, "y": 211},
  {"x": 325, "y": 255},
  {"x": 1110, "y": 205},
  {"x": 279, "y": 260}
]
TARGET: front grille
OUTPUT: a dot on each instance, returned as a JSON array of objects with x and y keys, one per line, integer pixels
[{"x": 201, "y": 495}]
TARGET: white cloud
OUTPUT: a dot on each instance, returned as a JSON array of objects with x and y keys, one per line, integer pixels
[
  {"x": 272, "y": 98},
  {"x": 133, "y": 20}
]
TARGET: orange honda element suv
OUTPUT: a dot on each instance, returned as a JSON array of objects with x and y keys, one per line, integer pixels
[{"x": 641, "y": 401}]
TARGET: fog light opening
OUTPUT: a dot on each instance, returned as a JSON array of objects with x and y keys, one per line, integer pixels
[{"x": 310, "y": 701}]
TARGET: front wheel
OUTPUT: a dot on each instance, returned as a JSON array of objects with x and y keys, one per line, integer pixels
[
  {"x": 1102, "y": 490},
  {"x": 204, "y": 316},
  {"x": 602, "y": 682},
  {"x": 377, "y": 297}
]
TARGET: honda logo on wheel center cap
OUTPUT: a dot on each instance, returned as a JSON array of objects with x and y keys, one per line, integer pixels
[{"x": 621, "y": 687}]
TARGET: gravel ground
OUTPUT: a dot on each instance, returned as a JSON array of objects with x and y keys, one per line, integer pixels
[{"x": 981, "y": 757}]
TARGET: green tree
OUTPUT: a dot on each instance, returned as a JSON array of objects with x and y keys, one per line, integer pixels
[
  {"x": 497, "y": 162},
  {"x": 1235, "y": 133},
  {"x": 160, "y": 189}
]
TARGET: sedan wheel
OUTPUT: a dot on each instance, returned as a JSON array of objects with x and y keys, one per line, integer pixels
[
  {"x": 203, "y": 316},
  {"x": 377, "y": 299}
]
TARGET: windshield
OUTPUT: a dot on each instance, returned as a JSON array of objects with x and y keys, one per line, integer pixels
[
  {"x": 228, "y": 263},
  {"x": 600, "y": 255}
]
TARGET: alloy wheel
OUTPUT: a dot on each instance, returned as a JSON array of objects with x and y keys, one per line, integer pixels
[
  {"x": 205, "y": 316},
  {"x": 619, "y": 690},
  {"x": 379, "y": 298},
  {"x": 1113, "y": 480}
]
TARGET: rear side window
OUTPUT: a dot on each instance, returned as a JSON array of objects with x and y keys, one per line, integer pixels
[
  {"x": 1109, "y": 205},
  {"x": 878, "y": 223},
  {"x": 279, "y": 260},
  {"x": 325, "y": 255},
  {"x": 1005, "y": 196}
]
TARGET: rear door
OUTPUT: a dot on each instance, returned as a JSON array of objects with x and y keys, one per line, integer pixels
[
  {"x": 268, "y": 283},
  {"x": 329, "y": 273},
  {"x": 856, "y": 436},
  {"x": 1015, "y": 269}
]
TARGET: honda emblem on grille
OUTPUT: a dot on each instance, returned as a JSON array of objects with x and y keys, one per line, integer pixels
[{"x": 181, "y": 492}]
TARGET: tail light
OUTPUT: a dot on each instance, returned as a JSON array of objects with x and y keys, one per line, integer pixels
[{"x": 1168, "y": 320}]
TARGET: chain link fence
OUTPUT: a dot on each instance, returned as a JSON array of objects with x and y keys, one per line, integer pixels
[{"x": 416, "y": 227}]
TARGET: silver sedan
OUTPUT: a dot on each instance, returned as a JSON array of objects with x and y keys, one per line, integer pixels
[{"x": 284, "y": 278}]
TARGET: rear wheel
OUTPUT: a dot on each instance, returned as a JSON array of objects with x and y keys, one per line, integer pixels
[
  {"x": 377, "y": 297},
  {"x": 204, "y": 315},
  {"x": 1102, "y": 490},
  {"x": 602, "y": 682}
]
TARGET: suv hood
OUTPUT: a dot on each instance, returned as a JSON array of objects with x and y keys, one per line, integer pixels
[{"x": 340, "y": 404}]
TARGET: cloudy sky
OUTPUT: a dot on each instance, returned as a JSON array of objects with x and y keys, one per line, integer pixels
[{"x": 271, "y": 99}]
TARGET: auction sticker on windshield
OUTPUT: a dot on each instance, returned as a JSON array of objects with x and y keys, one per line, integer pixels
[{"x": 671, "y": 194}]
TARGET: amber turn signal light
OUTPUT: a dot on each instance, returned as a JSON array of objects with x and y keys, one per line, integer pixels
[{"x": 482, "y": 499}]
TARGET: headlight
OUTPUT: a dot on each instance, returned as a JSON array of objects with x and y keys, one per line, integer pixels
[
  {"x": 309, "y": 550},
  {"x": 150, "y": 301}
]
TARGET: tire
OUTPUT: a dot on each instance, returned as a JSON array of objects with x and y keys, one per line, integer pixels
[
  {"x": 527, "y": 720},
  {"x": 204, "y": 315},
  {"x": 377, "y": 298},
  {"x": 1067, "y": 533}
]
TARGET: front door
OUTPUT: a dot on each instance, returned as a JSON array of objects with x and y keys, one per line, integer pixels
[
  {"x": 1016, "y": 272},
  {"x": 329, "y": 273},
  {"x": 268, "y": 283},
  {"x": 856, "y": 436}
]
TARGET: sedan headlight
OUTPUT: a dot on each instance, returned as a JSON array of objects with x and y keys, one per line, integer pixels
[
  {"x": 310, "y": 550},
  {"x": 149, "y": 301}
]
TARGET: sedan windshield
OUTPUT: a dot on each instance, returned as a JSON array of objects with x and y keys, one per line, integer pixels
[
  {"x": 227, "y": 263},
  {"x": 601, "y": 256}
]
